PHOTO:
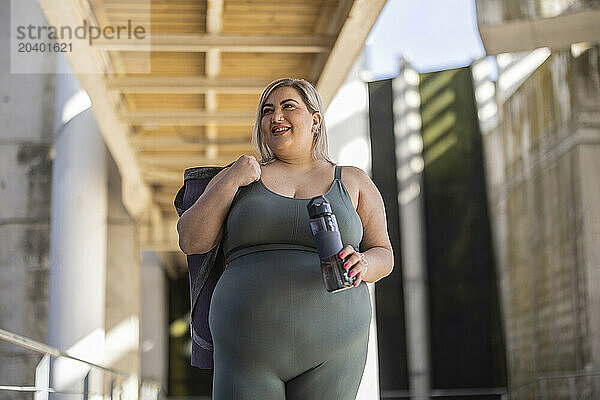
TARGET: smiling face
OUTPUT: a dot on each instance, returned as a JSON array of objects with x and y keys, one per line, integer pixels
[{"x": 287, "y": 123}]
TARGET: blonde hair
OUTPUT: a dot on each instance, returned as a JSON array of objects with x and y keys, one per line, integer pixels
[{"x": 313, "y": 102}]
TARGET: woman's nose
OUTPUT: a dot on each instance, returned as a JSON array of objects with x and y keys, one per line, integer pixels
[{"x": 277, "y": 115}]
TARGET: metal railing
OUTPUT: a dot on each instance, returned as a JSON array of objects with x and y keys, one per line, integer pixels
[
  {"x": 123, "y": 385},
  {"x": 149, "y": 390},
  {"x": 539, "y": 384},
  {"x": 464, "y": 393},
  {"x": 538, "y": 387}
]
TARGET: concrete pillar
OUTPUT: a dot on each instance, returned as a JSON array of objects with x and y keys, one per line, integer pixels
[
  {"x": 409, "y": 146},
  {"x": 26, "y": 136},
  {"x": 587, "y": 92},
  {"x": 122, "y": 283},
  {"x": 347, "y": 119},
  {"x": 154, "y": 320},
  {"x": 544, "y": 197},
  {"x": 78, "y": 233},
  {"x": 589, "y": 186}
]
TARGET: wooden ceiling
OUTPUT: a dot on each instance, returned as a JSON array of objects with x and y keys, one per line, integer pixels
[
  {"x": 208, "y": 63},
  {"x": 177, "y": 117}
]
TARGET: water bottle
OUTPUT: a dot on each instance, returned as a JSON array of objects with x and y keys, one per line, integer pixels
[{"x": 329, "y": 243}]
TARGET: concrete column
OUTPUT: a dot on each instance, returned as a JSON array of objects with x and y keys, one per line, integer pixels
[
  {"x": 587, "y": 84},
  {"x": 409, "y": 146},
  {"x": 78, "y": 233},
  {"x": 26, "y": 135},
  {"x": 589, "y": 187},
  {"x": 347, "y": 119},
  {"x": 545, "y": 214},
  {"x": 122, "y": 283},
  {"x": 154, "y": 320}
]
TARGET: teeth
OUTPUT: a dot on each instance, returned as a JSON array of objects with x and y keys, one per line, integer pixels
[{"x": 280, "y": 130}]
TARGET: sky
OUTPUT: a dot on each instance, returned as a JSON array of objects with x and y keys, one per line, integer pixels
[{"x": 432, "y": 34}]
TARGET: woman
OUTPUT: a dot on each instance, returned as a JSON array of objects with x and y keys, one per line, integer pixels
[{"x": 277, "y": 333}]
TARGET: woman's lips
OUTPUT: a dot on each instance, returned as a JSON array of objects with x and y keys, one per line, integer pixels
[{"x": 280, "y": 131}]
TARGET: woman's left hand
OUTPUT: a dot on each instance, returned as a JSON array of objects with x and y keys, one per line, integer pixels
[{"x": 355, "y": 263}]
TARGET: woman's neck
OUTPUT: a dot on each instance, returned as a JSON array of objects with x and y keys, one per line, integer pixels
[{"x": 300, "y": 165}]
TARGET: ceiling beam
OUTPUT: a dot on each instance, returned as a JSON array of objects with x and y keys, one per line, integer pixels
[
  {"x": 101, "y": 19},
  {"x": 159, "y": 141},
  {"x": 329, "y": 22},
  {"x": 165, "y": 198},
  {"x": 350, "y": 42},
  {"x": 182, "y": 161},
  {"x": 189, "y": 117},
  {"x": 136, "y": 194},
  {"x": 186, "y": 84},
  {"x": 529, "y": 34},
  {"x": 161, "y": 247},
  {"x": 155, "y": 176},
  {"x": 187, "y": 147},
  {"x": 214, "y": 16},
  {"x": 212, "y": 68},
  {"x": 175, "y": 145},
  {"x": 226, "y": 43}
]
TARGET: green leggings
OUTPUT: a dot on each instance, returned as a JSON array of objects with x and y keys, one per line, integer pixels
[{"x": 278, "y": 334}]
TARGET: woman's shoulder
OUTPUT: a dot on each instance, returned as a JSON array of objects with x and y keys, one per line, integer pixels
[
  {"x": 354, "y": 174},
  {"x": 358, "y": 182},
  {"x": 353, "y": 179}
]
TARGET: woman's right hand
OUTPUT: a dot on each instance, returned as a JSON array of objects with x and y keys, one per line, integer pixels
[{"x": 245, "y": 170}]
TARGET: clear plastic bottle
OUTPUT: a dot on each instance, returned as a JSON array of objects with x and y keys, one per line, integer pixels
[{"x": 324, "y": 228}]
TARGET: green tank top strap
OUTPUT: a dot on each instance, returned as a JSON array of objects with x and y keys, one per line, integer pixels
[{"x": 338, "y": 172}]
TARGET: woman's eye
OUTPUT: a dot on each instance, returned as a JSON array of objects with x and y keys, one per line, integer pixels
[
  {"x": 285, "y": 105},
  {"x": 267, "y": 110}
]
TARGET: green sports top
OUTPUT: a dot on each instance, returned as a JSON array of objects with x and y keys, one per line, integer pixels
[{"x": 260, "y": 219}]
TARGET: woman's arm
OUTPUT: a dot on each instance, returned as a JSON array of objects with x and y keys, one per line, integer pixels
[
  {"x": 200, "y": 227},
  {"x": 375, "y": 245}
]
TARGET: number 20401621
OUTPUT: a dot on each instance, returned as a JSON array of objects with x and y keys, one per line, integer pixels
[{"x": 45, "y": 47}]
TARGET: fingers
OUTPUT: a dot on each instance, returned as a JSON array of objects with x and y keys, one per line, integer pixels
[
  {"x": 354, "y": 263},
  {"x": 351, "y": 261},
  {"x": 256, "y": 166},
  {"x": 358, "y": 279},
  {"x": 358, "y": 272},
  {"x": 346, "y": 251},
  {"x": 247, "y": 170},
  {"x": 246, "y": 159}
]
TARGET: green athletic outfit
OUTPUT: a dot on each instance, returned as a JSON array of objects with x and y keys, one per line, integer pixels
[{"x": 277, "y": 333}]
